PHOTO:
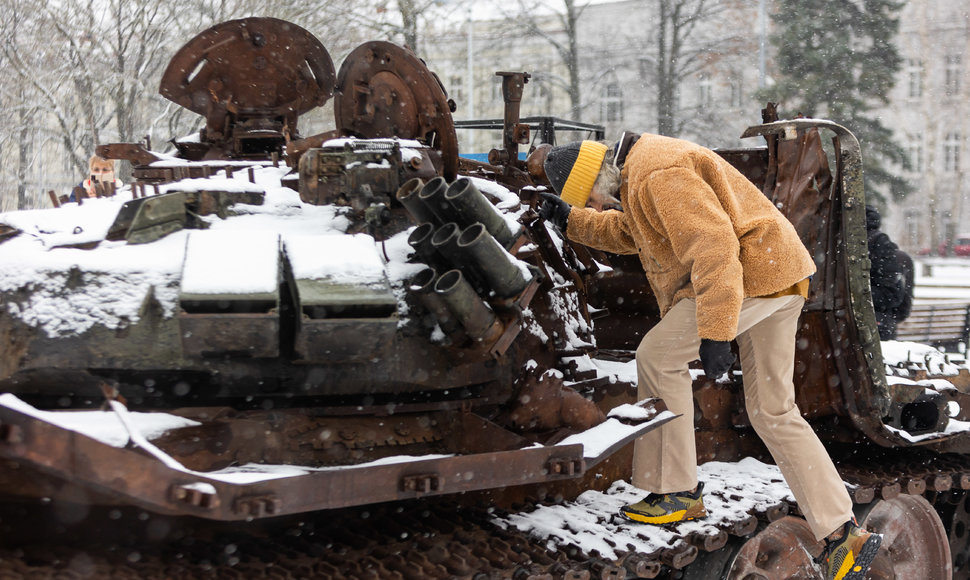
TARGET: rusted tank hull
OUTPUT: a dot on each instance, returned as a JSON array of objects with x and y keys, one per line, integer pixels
[{"x": 150, "y": 478}]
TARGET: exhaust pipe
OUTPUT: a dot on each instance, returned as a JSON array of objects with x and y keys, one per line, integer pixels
[
  {"x": 926, "y": 413},
  {"x": 476, "y": 317},
  {"x": 420, "y": 240},
  {"x": 471, "y": 207},
  {"x": 445, "y": 242},
  {"x": 432, "y": 195},
  {"x": 407, "y": 194},
  {"x": 422, "y": 285},
  {"x": 500, "y": 270}
]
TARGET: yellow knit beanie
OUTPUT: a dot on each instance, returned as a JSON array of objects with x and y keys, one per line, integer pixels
[{"x": 572, "y": 169}]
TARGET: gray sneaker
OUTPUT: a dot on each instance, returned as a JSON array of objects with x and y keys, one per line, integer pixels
[
  {"x": 849, "y": 557},
  {"x": 667, "y": 508}
]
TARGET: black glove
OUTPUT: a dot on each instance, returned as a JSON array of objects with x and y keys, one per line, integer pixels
[
  {"x": 554, "y": 210},
  {"x": 716, "y": 357}
]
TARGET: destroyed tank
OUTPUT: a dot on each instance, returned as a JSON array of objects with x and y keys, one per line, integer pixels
[{"x": 265, "y": 324}]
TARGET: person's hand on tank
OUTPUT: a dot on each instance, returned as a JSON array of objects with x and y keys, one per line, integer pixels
[{"x": 554, "y": 210}]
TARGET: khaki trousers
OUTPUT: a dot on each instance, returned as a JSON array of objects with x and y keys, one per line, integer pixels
[{"x": 665, "y": 460}]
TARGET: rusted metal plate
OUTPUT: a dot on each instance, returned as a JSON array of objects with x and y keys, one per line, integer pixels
[
  {"x": 384, "y": 90},
  {"x": 250, "y": 65},
  {"x": 164, "y": 486},
  {"x": 243, "y": 334},
  {"x": 251, "y": 79},
  {"x": 134, "y": 152},
  {"x": 859, "y": 369},
  {"x": 7, "y": 232},
  {"x": 146, "y": 214},
  {"x": 229, "y": 302},
  {"x": 345, "y": 339}
]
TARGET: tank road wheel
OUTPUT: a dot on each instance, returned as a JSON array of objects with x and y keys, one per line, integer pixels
[
  {"x": 955, "y": 512},
  {"x": 914, "y": 545},
  {"x": 781, "y": 551}
]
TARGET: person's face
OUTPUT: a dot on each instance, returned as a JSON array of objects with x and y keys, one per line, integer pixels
[
  {"x": 601, "y": 202},
  {"x": 102, "y": 172},
  {"x": 596, "y": 203}
]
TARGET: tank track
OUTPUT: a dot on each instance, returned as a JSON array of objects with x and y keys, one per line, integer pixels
[
  {"x": 412, "y": 540},
  {"x": 418, "y": 540},
  {"x": 942, "y": 479},
  {"x": 911, "y": 473}
]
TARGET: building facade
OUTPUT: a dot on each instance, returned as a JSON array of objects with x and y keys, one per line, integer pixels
[
  {"x": 717, "y": 78},
  {"x": 717, "y": 92},
  {"x": 929, "y": 113}
]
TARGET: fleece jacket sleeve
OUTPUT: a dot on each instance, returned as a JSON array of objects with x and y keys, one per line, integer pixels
[{"x": 603, "y": 230}]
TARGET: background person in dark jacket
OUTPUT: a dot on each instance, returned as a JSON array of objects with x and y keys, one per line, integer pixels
[
  {"x": 906, "y": 269},
  {"x": 885, "y": 277}
]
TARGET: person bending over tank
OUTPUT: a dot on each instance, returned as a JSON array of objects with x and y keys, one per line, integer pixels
[{"x": 724, "y": 264}]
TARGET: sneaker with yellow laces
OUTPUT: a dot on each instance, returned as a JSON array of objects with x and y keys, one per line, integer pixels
[
  {"x": 849, "y": 556},
  {"x": 667, "y": 508}
]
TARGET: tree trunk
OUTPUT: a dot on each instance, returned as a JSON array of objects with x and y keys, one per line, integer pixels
[
  {"x": 572, "y": 62},
  {"x": 665, "y": 84},
  {"x": 23, "y": 162},
  {"x": 409, "y": 19}
]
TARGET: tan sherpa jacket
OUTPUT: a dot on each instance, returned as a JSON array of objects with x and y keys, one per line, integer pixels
[{"x": 701, "y": 230}]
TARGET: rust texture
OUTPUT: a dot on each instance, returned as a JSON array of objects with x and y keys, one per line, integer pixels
[{"x": 251, "y": 79}]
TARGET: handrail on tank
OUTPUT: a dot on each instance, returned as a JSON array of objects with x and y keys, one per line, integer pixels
[{"x": 869, "y": 402}]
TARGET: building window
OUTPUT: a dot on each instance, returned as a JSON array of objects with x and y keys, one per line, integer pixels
[
  {"x": 541, "y": 95},
  {"x": 951, "y": 152},
  {"x": 705, "y": 91},
  {"x": 647, "y": 68},
  {"x": 914, "y": 72},
  {"x": 951, "y": 78},
  {"x": 914, "y": 150},
  {"x": 456, "y": 88},
  {"x": 737, "y": 93},
  {"x": 611, "y": 103},
  {"x": 912, "y": 223}
]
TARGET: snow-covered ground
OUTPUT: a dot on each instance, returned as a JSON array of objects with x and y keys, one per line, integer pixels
[{"x": 942, "y": 279}]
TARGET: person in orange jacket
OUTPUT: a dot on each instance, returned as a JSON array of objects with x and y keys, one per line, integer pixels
[{"x": 724, "y": 265}]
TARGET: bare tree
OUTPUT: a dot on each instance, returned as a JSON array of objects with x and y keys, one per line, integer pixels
[
  {"x": 556, "y": 23},
  {"x": 85, "y": 72},
  {"x": 677, "y": 41},
  {"x": 89, "y": 68},
  {"x": 397, "y": 20},
  {"x": 22, "y": 95},
  {"x": 685, "y": 42},
  {"x": 25, "y": 147}
]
